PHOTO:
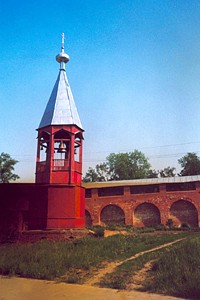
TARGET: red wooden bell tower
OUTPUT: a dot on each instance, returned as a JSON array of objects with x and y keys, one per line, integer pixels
[{"x": 59, "y": 154}]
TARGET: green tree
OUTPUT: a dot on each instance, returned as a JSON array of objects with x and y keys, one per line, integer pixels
[
  {"x": 120, "y": 166},
  {"x": 124, "y": 166},
  {"x": 97, "y": 174},
  {"x": 7, "y": 164},
  {"x": 153, "y": 174},
  {"x": 168, "y": 172},
  {"x": 190, "y": 164}
]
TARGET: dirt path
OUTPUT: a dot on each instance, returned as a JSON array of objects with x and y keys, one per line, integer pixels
[
  {"x": 140, "y": 276},
  {"x": 30, "y": 289},
  {"x": 109, "y": 268}
]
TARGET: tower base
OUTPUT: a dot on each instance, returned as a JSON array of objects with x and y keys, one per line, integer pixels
[{"x": 57, "y": 207}]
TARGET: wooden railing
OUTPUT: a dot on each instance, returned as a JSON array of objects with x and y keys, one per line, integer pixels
[{"x": 60, "y": 164}]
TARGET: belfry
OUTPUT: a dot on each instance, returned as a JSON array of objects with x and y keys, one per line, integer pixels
[
  {"x": 59, "y": 154},
  {"x": 60, "y": 134}
]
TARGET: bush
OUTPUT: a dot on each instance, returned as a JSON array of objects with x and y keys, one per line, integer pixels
[
  {"x": 98, "y": 230},
  {"x": 170, "y": 223},
  {"x": 145, "y": 229},
  {"x": 160, "y": 227},
  {"x": 113, "y": 227}
]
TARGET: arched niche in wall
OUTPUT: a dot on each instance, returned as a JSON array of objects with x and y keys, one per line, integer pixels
[
  {"x": 112, "y": 214},
  {"x": 88, "y": 219},
  {"x": 183, "y": 212},
  {"x": 147, "y": 215}
]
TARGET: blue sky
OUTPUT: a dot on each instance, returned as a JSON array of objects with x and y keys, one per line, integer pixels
[{"x": 134, "y": 71}]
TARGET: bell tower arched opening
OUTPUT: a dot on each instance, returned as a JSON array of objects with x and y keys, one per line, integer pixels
[{"x": 61, "y": 156}]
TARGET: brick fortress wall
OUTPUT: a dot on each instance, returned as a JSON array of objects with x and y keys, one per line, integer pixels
[{"x": 144, "y": 205}]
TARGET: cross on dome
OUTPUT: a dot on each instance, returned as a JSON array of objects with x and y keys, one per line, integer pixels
[
  {"x": 62, "y": 57},
  {"x": 63, "y": 40}
]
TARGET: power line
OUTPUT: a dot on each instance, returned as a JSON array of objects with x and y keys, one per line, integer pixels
[
  {"x": 172, "y": 155},
  {"x": 158, "y": 156},
  {"x": 106, "y": 151},
  {"x": 148, "y": 147}
]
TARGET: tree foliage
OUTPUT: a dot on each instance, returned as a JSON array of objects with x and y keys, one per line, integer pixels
[
  {"x": 190, "y": 164},
  {"x": 120, "y": 166},
  {"x": 124, "y": 166},
  {"x": 97, "y": 174},
  {"x": 168, "y": 172},
  {"x": 153, "y": 174},
  {"x": 135, "y": 165},
  {"x": 7, "y": 164}
]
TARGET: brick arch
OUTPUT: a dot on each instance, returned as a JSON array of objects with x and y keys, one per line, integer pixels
[
  {"x": 88, "y": 218},
  {"x": 184, "y": 212},
  {"x": 112, "y": 214},
  {"x": 146, "y": 214}
]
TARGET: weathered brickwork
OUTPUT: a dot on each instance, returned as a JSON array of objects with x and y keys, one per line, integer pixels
[
  {"x": 32, "y": 207},
  {"x": 148, "y": 213},
  {"x": 144, "y": 205},
  {"x": 112, "y": 214}
]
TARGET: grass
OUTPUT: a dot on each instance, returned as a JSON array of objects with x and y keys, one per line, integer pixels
[
  {"x": 177, "y": 272},
  {"x": 73, "y": 261},
  {"x": 122, "y": 276},
  {"x": 99, "y": 230}
]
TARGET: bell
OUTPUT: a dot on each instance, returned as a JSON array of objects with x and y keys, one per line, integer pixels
[
  {"x": 61, "y": 148},
  {"x": 41, "y": 148}
]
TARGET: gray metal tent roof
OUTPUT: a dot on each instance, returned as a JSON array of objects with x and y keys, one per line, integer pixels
[{"x": 61, "y": 108}]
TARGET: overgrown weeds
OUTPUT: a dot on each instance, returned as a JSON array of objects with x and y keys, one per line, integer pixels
[
  {"x": 122, "y": 276},
  {"x": 72, "y": 261},
  {"x": 177, "y": 272}
]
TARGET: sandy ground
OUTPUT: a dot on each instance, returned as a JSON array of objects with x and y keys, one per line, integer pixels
[{"x": 30, "y": 289}]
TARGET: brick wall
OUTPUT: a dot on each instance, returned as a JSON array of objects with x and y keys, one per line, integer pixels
[{"x": 145, "y": 206}]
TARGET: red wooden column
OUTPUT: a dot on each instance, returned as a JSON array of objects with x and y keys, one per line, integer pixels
[{"x": 72, "y": 169}]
